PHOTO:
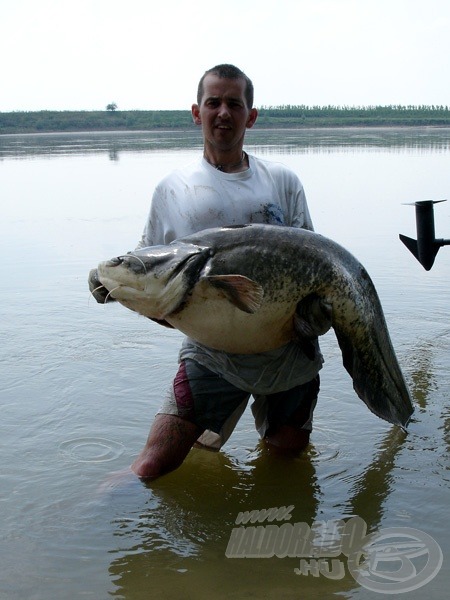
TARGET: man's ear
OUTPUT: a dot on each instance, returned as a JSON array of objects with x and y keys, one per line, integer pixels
[
  {"x": 252, "y": 118},
  {"x": 195, "y": 110}
]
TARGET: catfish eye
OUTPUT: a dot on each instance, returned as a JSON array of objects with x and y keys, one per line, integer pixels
[
  {"x": 134, "y": 263},
  {"x": 114, "y": 262}
]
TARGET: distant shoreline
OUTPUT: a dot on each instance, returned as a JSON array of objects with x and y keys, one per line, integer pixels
[{"x": 288, "y": 117}]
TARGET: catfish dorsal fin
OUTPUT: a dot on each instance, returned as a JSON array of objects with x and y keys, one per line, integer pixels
[{"x": 241, "y": 291}]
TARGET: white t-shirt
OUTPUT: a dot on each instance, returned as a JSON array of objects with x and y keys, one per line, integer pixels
[{"x": 199, "y": 197}]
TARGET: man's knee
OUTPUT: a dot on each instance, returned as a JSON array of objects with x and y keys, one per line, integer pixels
[
  {"x": 168, "y": 444},
  {"x": 149, "y": 467}
]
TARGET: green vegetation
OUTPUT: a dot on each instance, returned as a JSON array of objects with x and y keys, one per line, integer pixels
[
  {"x": 269, "y": 117},
  {"x": 110, "y": 120},
  {"x": 349, "y": 116}
]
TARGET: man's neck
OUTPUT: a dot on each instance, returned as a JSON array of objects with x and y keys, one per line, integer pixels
[{"x": 228, "y": 163}]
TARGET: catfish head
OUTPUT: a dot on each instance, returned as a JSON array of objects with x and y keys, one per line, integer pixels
[{"x": 157, "y": 280}]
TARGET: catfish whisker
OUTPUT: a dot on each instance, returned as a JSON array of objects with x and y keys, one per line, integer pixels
[
  {"x": 91, "y": 292},
  {"x": 98, "y": 288},
  {"x": 110, "y": 292}
]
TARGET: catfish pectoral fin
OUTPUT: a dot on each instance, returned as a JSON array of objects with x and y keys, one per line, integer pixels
[{"x": 244, "y": 293}]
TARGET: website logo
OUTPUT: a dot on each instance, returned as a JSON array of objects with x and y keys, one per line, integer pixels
[
  {"x": 392, "y": 561},
  {"x": 396, "y": 560}
]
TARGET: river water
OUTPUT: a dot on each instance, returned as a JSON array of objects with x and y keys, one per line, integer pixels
[{"x": 80, "y": 384}]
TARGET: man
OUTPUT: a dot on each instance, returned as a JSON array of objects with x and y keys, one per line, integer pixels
[{"x": 212, "y": 388}]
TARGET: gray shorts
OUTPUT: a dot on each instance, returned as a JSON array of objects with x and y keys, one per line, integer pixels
[{"x": 211, "y": 402}]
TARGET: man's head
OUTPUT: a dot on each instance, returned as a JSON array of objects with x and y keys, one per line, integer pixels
[
  {"x": 227, "y": 72},
  {"x": 224, "y": 111}
]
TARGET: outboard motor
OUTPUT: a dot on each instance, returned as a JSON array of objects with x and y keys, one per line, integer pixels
[{"x": 426, "y": 246}]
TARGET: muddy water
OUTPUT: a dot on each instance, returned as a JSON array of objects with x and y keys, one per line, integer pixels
[{"x": 80, "y": 384}]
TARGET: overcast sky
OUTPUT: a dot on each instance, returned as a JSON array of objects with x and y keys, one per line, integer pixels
[{"x": 142, "y": 54}]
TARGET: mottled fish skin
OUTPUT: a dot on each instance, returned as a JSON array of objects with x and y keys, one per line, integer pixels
[{"x": 252, "y": 288}]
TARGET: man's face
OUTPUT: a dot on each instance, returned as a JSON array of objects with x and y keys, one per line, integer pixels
[{"x": 223, "y": 112}]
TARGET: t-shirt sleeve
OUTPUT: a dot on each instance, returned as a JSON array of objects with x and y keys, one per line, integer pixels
[
  {"x": 152, "y": 234},
  {"x": 297, "y": 209},
  {"x": 301, "y": 216}
]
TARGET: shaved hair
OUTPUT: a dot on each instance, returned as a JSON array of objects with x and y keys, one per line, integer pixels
[{"x": 227, "y": 72}]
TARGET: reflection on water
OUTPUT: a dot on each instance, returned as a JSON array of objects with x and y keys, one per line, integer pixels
[
  {"x": 269, "y": 141},
  {"x": 112, "y": 143},
  {"x": 81, "y": 382},
  {"x": 423, "y": 378},
  {"x": 188, "y": 518}
]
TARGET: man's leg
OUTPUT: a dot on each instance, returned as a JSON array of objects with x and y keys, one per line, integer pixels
[
  {"x": 198, "y": 401},
  {"x": 290, "y": 416},
  {"x": 288, "y": 437},
  {"x": 168, "y": 444}
]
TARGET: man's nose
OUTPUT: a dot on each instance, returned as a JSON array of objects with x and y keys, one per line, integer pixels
[{"x": 224, "y": 111}]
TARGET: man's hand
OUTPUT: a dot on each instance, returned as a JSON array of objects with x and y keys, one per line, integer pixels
[{"x": 100, "y": 293}]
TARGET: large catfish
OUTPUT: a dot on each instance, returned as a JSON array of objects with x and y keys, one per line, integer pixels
[{"x": 253, "y": 288}]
